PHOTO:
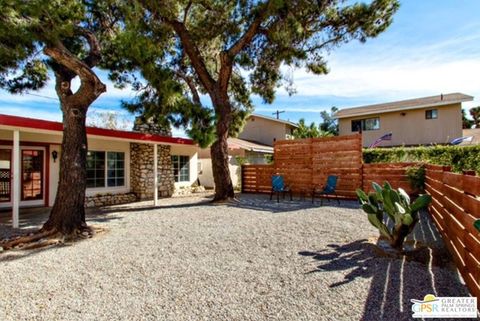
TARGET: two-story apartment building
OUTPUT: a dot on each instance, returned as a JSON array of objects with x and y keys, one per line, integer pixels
[
  {"x": 253, "y": 144},
  {"x": 266, "y": 130},
  {"x": 419, "y": 121}
]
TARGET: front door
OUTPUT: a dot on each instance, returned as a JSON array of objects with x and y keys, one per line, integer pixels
[
  {"x": 5, "y": 175},
  {"x": 32, "y": 175}
]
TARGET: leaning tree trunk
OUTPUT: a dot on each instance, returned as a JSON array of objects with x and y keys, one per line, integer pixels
[
  {"x": 219, "y": 153},
  {"x": 68, "y": 212}
]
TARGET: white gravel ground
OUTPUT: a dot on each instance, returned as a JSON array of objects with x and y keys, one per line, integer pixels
[{"x": 190, "y": 260}]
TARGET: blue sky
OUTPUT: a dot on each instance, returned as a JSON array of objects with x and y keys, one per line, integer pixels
[{"x": 432, "y": 47}]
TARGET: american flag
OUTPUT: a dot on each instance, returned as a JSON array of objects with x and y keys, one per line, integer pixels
[
  {"x": 460, "y": 140},
  {"x": 378, "y": 141}
]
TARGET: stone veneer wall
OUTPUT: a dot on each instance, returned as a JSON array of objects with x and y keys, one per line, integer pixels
[
  {"x": 109, "y": 199},
  {"x": 141, "y": 171},
  {"x": 141, "y": 163}
]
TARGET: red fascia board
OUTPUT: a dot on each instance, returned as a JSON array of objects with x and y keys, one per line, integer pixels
[{"x": 24, "y": 122}]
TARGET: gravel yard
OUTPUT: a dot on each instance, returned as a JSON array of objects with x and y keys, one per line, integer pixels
[{"x": 253, "y": 260}]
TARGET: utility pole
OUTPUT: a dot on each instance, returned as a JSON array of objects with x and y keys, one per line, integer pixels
[{"x": 278, "y": 112}]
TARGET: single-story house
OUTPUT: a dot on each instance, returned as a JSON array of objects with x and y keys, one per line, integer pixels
[
  {"x": 120, "y": 164},
  {"x": 420, "y": 121}
]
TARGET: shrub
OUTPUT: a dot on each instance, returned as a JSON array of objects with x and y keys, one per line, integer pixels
[
  {"x": 458, "y": 157},
  {"x": 416, "y": 177},
  {"x": 397, "y": 206}
]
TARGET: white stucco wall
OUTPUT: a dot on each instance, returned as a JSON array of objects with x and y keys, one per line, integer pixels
[
  {"x": 54, "y": 174},
  {"x": 206, "y": 174}
]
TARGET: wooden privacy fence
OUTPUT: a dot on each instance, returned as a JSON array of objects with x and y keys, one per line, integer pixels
[
  {"x": 394, "y": 173},
  {"x": 455, "y": 206},
  {"x": 305, "y": 163}
]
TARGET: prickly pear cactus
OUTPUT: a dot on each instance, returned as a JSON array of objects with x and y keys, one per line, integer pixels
[
  {"x": 476, "y": 224},
  {"x": 398, "y": 207}
]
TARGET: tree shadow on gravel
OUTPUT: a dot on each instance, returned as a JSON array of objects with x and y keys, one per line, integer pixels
[
  {"x": 394, "y": 280},
  {"x": 32, "y": 223}
]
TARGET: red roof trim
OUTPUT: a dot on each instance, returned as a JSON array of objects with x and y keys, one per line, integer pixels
[{"x": 16, "y": 121}]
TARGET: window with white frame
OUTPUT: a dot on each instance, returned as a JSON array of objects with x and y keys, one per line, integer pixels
[
  {"x": 105, "y": 169},
  {"x": 181, "y": 168}
]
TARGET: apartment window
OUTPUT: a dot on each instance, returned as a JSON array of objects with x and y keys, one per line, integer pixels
[
  {"x": 181, "y": 168},
  {"x": 431, "y": 114},
  {"x": 105, "y": 169},
  {"x": 365, "y": 124}
]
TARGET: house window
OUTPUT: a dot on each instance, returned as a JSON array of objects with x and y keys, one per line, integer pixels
[
  {"x": 101, "y": 174},
  {"x": 181, "y": 168},
  {"x": 431, "y": 114},
  {"x": 365, "y": 124},
  {"x": 95, "y": 169},
  {"x": 115, "y": 169}
]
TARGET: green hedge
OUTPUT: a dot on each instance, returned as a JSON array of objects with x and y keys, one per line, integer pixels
[{"x": 459, "y": 157}]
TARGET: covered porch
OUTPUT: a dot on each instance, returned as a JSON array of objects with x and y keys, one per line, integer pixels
[{"x": 30, "y": 152}]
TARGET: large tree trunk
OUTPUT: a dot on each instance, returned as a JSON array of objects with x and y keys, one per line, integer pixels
[
  {"x": 219, "y": 152},
  {"x": 68, "y": 213}
]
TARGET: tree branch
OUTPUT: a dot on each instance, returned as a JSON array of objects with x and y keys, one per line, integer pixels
[
  {"x": 193, "y": 54},
  {"x": 193, "y": 89},
  {"x": 94, "y": 54},
  {"x": 91, "y": 87},
  {"x": 227, "y": 56},
  {"x": 185, "y": 13},
  {"x": 252, "y": 30}
]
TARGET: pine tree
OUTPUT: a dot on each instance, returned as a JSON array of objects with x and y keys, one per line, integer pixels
[
  {"x": 65, "y": 37},
  {"x": 229, "y": 50}
]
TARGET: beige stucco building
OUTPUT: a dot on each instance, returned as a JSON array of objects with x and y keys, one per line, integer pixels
[
  {"x": 420, "y": 121},
  {"x": 265, "y": 130}
]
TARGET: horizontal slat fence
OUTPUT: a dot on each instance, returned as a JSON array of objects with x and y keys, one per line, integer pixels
[
  {"x": 257, "y": 178},
  {"x": 455, "y": 206},
  {"x": 394, "y": 173},
  {"x": 306, "y": 163}
]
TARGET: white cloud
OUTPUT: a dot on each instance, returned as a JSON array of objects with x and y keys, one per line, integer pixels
[
  {"x": 31, "y": 112},
  {"x": 393, "y": 80}
]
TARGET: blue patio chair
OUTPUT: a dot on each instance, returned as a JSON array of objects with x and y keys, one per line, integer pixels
[
  {"x": 279, "y": 187},
  {"x": 327, "y": 191}
]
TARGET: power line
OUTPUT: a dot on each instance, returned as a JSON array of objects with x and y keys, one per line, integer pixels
[{"x": 42, "y": 96}]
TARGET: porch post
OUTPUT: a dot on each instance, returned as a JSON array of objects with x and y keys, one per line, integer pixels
[
  {"x": 16, "y": 179},
  {"x": 155, "y": 174}
]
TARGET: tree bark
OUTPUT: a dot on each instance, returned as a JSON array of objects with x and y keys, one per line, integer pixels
[
  {"x": 219, "y": 150},
  {"x": 68, "y": 212}
]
